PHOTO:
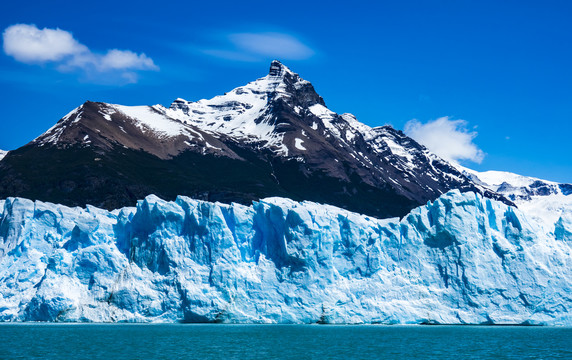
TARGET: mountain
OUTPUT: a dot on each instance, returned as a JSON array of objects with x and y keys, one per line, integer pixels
[
  {"x": 272, "y": 137},
  {"x": 3, "y": 154},
  {"x": 462, "y": 259},
  {"x": 541, "y": 199}
]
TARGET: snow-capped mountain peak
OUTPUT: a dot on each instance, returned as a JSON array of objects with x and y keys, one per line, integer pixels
[
  {"x": 277, "y": 69},
  {"x": 245, "y": 112},
  {"x": 249, "y": 114},
  {"x": 271, "y": 137},
  {"x": 3, "y": 154}
]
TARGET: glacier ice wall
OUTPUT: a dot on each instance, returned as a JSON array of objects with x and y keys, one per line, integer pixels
[{"x": 460, "y": 259}]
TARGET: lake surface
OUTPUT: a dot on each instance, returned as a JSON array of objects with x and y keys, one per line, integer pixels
[{"x": 185, "y": 341}]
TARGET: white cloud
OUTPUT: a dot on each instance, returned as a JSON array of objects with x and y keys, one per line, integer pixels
[
  {"x": 30, "y": 45},
  {"x": 261, "y": 46},
  {"x": 447, "y": 138},
  {"x": 125, "y": 59},
  {"x": 231, "y": 55},
  {"x": 272, "y": 44}
]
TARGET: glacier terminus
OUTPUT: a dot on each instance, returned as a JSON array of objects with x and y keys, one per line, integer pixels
[{"x": 461, "y": 259}]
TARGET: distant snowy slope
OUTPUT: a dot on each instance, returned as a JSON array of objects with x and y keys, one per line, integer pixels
[
  {"x": 542, "y": 199},
  {"x": 2, "y": 154}
]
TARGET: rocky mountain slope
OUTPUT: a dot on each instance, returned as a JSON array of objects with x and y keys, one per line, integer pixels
[
  {"x": 271, "y": 137},
  {"x": 461, "y": 259}
]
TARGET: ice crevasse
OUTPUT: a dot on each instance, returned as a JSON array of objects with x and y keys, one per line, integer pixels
[{"x": 460, "y": 259}]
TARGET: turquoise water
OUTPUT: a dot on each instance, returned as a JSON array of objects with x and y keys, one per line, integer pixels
[{"x": 183, "y": 341}]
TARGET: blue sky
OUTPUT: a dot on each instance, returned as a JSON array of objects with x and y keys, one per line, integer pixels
[{"x": 495, "y": 77}]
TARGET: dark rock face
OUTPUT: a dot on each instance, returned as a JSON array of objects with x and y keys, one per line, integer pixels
[
  {"x": 542, "y": 189},
  {"x": 110, "y": 156},
  {"x": 566, "y": 189}
]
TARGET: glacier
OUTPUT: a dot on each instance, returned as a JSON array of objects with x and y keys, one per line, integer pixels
[{"x": 462, "y": 259}]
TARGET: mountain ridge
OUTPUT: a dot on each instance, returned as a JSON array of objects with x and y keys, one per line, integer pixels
[{"x": 271, "y": 137}]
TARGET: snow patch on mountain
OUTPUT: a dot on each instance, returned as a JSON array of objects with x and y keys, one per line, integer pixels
[
  {"x": 3, "y": 153},
  {"x": 346, "y": 130},
  {"x": 460, "y": 259},
  {"x": 147, "y": 118},
  {"x": 398, "y": 150},
  {"x": 52, "y": 135},
  {"x": 298, "y": 144}
]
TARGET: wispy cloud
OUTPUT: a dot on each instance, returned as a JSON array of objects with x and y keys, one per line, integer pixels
[
  {"x": 31, "y": 45},
  {"x": 250, "y": 47},
  {"x": 447, "y": 138}
]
